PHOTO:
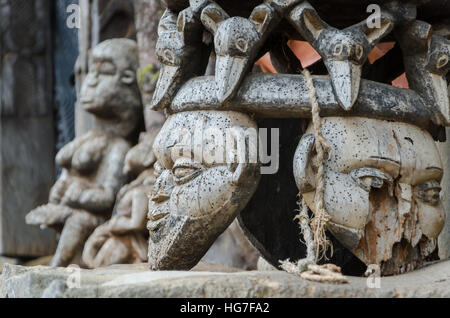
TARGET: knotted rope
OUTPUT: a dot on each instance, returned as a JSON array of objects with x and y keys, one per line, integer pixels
[
  {"x": 321, "y": 217},
  {"x": 313, "y": 230}
]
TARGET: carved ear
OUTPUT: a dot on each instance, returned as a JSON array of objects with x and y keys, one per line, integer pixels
[
  {"x": 212, "y": 15},
  {"x": 168, "y": 22},
  {"x": 375, "y": 34},
  {"x": 306, "y": 20},
  {"x": 416, "y": 35},
  {"x": 303, "y": 172},
  {"x": 262, "y": 16},
  {"x": 128, "y": 77}
]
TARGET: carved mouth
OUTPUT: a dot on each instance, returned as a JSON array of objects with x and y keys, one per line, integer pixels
[
  {"x": 156, "y": 220},
  {"x": 91, "y": 106},
  {"x": 87, "y": 100}
]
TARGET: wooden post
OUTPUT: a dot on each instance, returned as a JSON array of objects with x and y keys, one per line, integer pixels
[{"x": 26, "y": 125}]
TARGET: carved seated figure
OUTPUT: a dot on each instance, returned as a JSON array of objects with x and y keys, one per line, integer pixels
[
  {"x": 92, "y": 164},
  {"x": 206, "y": 177},
  {"x": 382, "y": 184},
  {"x": 124, "y": 238}
]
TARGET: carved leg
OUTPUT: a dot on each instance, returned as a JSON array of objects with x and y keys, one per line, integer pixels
[
  {"x": 76, "y": 230},
  {"x": 94, "y": 243},
  {"x": 114, "y": 251}
]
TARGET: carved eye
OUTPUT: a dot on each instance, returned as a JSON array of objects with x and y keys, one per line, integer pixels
[
  {"x": 338, "y": 49},
  {"x": 184, "y": 171},
  {"x": 359, "y": 51},
  {"x": 107, "y": 68},
  {"x": 242, "y": 44},
  {"x": 158, "y": 169},
  {"x": 442, "y": 61},
  {"x": 428, "y": 192},
  {"x": 169, "y": 56},
  {"x": 368, "y": 178}
]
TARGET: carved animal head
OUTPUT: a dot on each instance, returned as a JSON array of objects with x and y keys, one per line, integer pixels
[
  {"x": 427, "y": 62},
  {"x": 438, "y": 59},
  {"x": 180, "y": 50},
  {"x": 438, "y": 64},
  {"x": 237, "y": 41},
  {"x": 344, "y": 51}
]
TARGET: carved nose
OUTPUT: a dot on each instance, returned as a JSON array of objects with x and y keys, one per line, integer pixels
[
  {"x": 163, "y": 188},
  {"x": 92, "y": 80}
]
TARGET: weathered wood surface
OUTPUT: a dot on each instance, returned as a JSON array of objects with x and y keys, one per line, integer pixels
[
  {"x": 350, "y": 11},
  {"x": 285, "y": 96},
  {"x": 26, "y": 125}
]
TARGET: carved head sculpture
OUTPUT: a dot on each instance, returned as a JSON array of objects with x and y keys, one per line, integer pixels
[
  {"x": 110, "y": 91},
  {"x": 344, "y": 51},
  {"x": 382, "y": 186},
  {"x": 181, "y": 52},
  {"x": 237, "y": 41},
  {"x": 204, "y": 181}
]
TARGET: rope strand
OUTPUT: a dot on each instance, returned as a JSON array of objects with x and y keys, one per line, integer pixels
[
  {"x": 313, "y": 230},
  {"x": 321, "y": 217}
]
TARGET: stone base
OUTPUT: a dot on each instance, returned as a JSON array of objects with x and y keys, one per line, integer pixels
[{"x": 209, "y": 281}]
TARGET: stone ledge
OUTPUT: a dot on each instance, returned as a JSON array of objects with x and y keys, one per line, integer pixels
[{"x": 211, "y": 281}]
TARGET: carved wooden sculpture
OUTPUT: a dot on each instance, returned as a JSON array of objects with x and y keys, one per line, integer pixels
[
  {"x": 123, "y": 238},
  {"x": 427, "y": 62},
  {"x": 381, "y": 173},
  {"x": 196, "y": 198},
  {"x": 343, "y": 51},
  {"x": 181, "y": 52},
  {"x": 92, "y": 164},
  {"x": 383, "y": 194},
  {"x": 237, "y": 42}
]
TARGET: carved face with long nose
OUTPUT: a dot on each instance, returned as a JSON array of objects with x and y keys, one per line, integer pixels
[
  {"x": 382, "y": 186},
  {"x": 202, "y": 184},
  {"x": 237, "y": 42},
  {"x": 343, "y": 51}
]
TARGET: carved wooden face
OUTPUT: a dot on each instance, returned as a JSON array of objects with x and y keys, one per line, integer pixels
[
  {"x": 110, "y": 89},
  {"x": 382, "y": 184},
  {"x": 197, "y": 195}
]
